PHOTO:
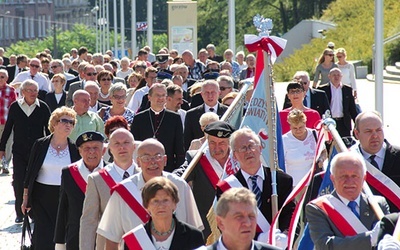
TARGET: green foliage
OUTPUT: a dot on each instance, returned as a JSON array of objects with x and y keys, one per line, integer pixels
[
  {"x": 160, "y": 41},
  {"x": 79, "y": 35},
  {"x": 354, "y": 32}
]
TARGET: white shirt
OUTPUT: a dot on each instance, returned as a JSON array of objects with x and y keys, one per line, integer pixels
[
  {"x": 346, "y": 202},
  {"x": 299, "y": 155},
  {"x": 118, "y": 218},
  {"x": 182, "y": 113},
  {"x": 50, "y": 172},
  {"x": 260, "y": 178},
  {"x": 221, "y": 245},
  {"x": 131, "y": 170},
  {"x": 207, "y": 108},
  {"x": 26, "y": 108},
  {"x": 137, "y": 98},
  {"x": 308, "y": 98},
  {"x": 336, "y": 101},
  {"x": 43, "y": 82}
]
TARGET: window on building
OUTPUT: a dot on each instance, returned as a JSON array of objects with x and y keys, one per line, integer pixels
[
  {"x": 32, "y": 28},
  {"x": 27, "y": 35},
  {"x": 12, "y": 28},
  {"x": 1, "y": 28},
  {"x": 20, "y": 28}
]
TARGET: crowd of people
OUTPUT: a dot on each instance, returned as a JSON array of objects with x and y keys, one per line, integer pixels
[{"x": 99, "y": 147}]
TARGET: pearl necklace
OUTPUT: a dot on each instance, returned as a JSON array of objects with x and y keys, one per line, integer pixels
[
  {"x": 104, "y": 96},
  {"x": 163, "y": 233}
]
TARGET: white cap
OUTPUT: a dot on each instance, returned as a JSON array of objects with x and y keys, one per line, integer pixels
[{"x": 331, "y": 44}]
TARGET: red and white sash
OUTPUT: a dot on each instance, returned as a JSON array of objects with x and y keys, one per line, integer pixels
[
  {"x": 131, "y": 194},
  {"x": 77, "y": 175},
  {"x": 208, "y": 169},
  {"x": 137, "y": 239},
  {"x": 386, "y": 186},
  {"x": 230, "y": 182},
  {"x": 341, "y": 216},
  {"x": 107, "y": 177}
]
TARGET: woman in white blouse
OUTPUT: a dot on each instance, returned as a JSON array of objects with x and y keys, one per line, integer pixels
[
  {"x": 299, "y": 146},
  {"x": 348, "y": 72},
  {"x": 43, "y": 178}
]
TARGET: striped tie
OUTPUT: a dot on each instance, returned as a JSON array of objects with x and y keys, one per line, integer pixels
[{"x": 256, "y": 190}]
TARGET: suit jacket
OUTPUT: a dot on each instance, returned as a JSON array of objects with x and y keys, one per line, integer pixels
[
  {"x": 69, "y": 211},
  {"x": 36, "y": 159},
  {"x": 284, "y": 187},
  {"x": 169, "y": 133},
  {"x": 326, "y": 235},
  {"x": 185, "y": 236},
  {"x": 388, "y": 223},
  {"x": 349, "y": 105},
  {"x": 203, "y": 191},
  {"x": 70, "y": 82},
  {"x": 73, "y": 72},
  {"x": 243, "y": 74},
  {"x": 257, "y": 246},
  {"x": 96, "y": 199},
  {"x": 192, "y": 125},
  {"x": 74, "y": 87},
  {"x": 12, "y": 72},
  {"x": 51, "y": 100},
  {"x": 391, "y": 169},
  {"x": 319, "y": 101}
]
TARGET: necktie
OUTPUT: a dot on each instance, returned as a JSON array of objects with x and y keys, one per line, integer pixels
[
  {"x": 373, "y": 162},
  {"x": 352, "y": 205},
  {"x": 19, "y": 70},
  {"x": 256, "y": 190},
  {"x": 305, "y": 101},
  {"x": 32, "y": 76},
  {"x": 211, "y": 110},
  {"x": 126, "y": 175}
]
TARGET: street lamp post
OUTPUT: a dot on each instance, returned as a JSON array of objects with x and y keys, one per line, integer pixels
[{"x": 94, "y": 11}]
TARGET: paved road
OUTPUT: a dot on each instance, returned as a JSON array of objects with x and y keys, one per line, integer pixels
[{"x": 10, "y": 233}]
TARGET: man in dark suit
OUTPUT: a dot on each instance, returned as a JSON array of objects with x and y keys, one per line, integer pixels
[
  {"x": 73, "y": 188},
  {"x": 341, "y": 102},
  {"x": 93, "y": 89},
  {"x": 13, "y": 70},
  {"x": 315, "y": 98},
  {"x": 236, "y": 212},
  {"x": 162, "y": 124},
  {"x": 79, "y": 77},
  {"x": 209, "y": 169},
  {"x": 253, "y": 175},
  {"x": 210, "y": 94},
  {"x": 368, "y": 129},
  {"x": 334, "y": 217},
  {"x": 89, "y": 74}
]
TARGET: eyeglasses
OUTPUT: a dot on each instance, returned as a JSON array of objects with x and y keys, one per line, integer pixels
[
  {"x": 224, "y": 88},
  {"x": 304, "y": 83},
  {"x": 31, "y": 90},
  {"x": 148, "y": 158},
  {"x": 34, "y": 65},
  {"x": 329, "y": 54},
  {"x": 251, "y": 147},
  {"x": 55, "y": 66},
  {"x": 339, "y": 56},
  {"x": 296, "y": 91},
  {"x": 66, "y": 121},
  {"x": 105, "y": 79},
  {"x": 91, "y": 74},
  {"x": 119, "y": 97}
]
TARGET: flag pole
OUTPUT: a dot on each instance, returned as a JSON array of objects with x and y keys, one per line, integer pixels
[
  {"x": 330, "y": 124},
  {"x": 273, "y": 159}
]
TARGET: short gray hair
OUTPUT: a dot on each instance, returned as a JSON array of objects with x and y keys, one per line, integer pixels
[
  {"x": 117, "y": 87},
  {"x": 28, "y": 83},
  {"x": 243, "y": 131},
  {"x": 348, "y": 155}
]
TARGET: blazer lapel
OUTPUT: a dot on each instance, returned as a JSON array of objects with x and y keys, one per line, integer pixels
[
  {"x": 366, "y": 215},
  {"x": 388, "y": 162},
  {"x": 179, "y": 237},
  {"x": 241, "y": 179}
]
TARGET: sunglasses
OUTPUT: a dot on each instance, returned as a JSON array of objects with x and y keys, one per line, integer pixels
[
  {"x": 224, "y": 88},
  {"x": 105, "y": 79},
  {"x": 66, "y": 121},
  {"x": 91, "y": 74},
  {"x": 329, "y": 54},
  {"x": 53, "y": 67},
  {"x": 34, "y": 65},
  {"x": 304, "y": 83},
  {"x": 30, "y": 90}
]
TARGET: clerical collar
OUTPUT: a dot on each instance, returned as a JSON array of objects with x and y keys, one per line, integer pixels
[{"x": 155, "y": 112}]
